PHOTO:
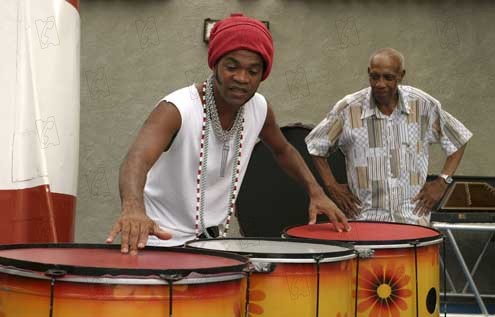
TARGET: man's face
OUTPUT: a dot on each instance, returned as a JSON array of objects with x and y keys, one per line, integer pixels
[
  {"x": 384, "y": 77},
  {"x": 238, "y": 75}
]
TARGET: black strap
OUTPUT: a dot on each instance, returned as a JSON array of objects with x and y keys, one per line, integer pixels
[{"x": 214, "y": 232}]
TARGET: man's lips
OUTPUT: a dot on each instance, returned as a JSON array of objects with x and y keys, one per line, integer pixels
[{"x": 238, "y": 91}]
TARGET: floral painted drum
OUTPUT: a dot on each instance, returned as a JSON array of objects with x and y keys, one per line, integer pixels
[
  {"x": 398, "y": 270},
  {"x": 293, "y": 277},
  {"x": 68, "y": 280}
]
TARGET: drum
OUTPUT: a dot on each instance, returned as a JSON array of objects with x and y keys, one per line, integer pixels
[
  {"x": 98, "y": 281},
  {"x": 294, "y": 278},
  {"x": 398, "y": 270}
]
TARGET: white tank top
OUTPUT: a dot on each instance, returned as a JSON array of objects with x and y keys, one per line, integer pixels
[{"x": 170, "y": 190}]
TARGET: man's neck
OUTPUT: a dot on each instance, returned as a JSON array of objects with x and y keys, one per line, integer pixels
[
  {"x": 226, "y": 112},
  {"x": 387, "y": 108}
]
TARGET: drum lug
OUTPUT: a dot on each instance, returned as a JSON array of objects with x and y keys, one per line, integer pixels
[
  {"x": 262, "y": 267},
  {"x": 365, "y": 253},
  {"x": 171, "y": 278},
  {"x": 54, "y": 273}
]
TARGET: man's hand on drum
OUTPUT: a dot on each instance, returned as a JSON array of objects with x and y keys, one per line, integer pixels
[
  {"x": 321, "y": 204},
  {"x": 345, "y": 199},
  {"x": 134, "y": 227},
  {"x": 429, "y": 196}
]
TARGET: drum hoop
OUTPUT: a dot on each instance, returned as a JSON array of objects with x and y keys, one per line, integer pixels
[
  {"x": 292, "y": 256},
  {"x": 312, "y": 261},
  {"x": 377, "y": 243},
  {"x": 398, "y": 246},
  {"x": 99, "y": 271},
  {"x": 125, "y": 280}
]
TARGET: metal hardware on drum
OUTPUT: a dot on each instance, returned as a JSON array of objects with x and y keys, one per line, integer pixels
[
  {"x": 53, "y": 275},
  {"x": 318, "y": 258},
  {"x": 365, "y": 253},
  {"x": 263, "y": 267},
  {"x": 170, "y": 279}
]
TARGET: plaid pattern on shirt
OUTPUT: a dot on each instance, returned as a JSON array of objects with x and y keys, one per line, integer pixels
[{"x": 387, "y": 156}]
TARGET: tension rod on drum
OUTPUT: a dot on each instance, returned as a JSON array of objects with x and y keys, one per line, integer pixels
[
  {"x": 318, "y": 259},
  {"x": 53, "y": 275},
  {"x": 357, "y": 283},
  {"x": 415, "y": 245},
  {"x": 170, "y": 279},
  {"x": 248, "y": 289}
]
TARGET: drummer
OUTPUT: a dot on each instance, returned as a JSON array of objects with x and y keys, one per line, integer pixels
[
  {"x": 181, "y": 176},
  {"x": 384, "y": 132}
]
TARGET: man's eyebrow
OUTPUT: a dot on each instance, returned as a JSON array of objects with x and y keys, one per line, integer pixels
[{"x": 231, "y": 59}]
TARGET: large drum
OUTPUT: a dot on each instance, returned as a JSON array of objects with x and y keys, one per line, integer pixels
[
  {"x": 399, "y": 276},
  {"x": 99, "y": 281},
  {"x": 293, "y": 278}
]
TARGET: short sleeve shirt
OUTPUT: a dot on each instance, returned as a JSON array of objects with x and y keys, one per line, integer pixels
[{"x": 387, "y": 156}]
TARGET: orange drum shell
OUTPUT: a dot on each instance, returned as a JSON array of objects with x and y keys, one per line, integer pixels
[
  {"x": 291, "y": 289},
  {"x": 24, "y": 296},
  {"x": 387, "y": 282}
]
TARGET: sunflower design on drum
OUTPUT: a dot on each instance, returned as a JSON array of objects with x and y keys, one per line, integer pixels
[{"x": 383, "y": 290}]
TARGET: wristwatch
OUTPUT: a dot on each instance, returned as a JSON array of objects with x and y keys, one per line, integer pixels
[{"x": 448, "y": 179}]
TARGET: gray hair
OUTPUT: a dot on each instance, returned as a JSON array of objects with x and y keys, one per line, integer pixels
[{"x": 390, "y": 52}]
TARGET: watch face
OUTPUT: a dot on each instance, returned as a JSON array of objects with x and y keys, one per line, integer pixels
[{"x": 446, "y": 178}]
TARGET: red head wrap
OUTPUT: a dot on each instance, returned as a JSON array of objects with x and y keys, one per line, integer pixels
[{"x": 240, "y": 32}]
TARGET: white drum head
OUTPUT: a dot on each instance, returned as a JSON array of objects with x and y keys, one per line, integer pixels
[{"x": 275, "y": 248}]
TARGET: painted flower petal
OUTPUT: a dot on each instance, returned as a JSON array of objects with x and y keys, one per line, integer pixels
[
  {"x": 400, "y": 303},
  {"x": 255, "y": 309},
  {"x": 366, "y": 304},
  {"x": 256, "y": 295}
]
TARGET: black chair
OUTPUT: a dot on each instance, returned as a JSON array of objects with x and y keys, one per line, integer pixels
[{"x": 269, "y": 200}]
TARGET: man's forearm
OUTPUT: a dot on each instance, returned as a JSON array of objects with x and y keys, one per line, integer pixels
[
  {"x": 132, "y": 179},
  {"x": 453, "y": 161},
  {"x": 325, "y": 172}
]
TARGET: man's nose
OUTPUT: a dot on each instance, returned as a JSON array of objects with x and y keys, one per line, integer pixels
[
  {"x": 380, "y": 82},
  {"x": 241, "y": 76}
]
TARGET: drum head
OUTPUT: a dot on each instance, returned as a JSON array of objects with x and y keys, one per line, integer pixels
[
  {"x": 367, "y": 233},
  {"x": 269, "y": 200},
  {"x": 276, "y": 248},
  {"x": 99, "y": 260}
]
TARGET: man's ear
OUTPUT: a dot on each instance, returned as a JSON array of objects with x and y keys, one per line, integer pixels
[{"x": 402, "y": 75}]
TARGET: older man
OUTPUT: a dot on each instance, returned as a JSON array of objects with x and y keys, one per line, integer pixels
[
  {"x": 180, "y": 178},
  {"x": 384, "y": 132}
]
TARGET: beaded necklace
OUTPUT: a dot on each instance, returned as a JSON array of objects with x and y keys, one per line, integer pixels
[{"x": 210, "y": 118}]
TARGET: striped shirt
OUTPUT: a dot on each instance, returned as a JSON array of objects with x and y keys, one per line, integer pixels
[{"x": 387, "y": 156}]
